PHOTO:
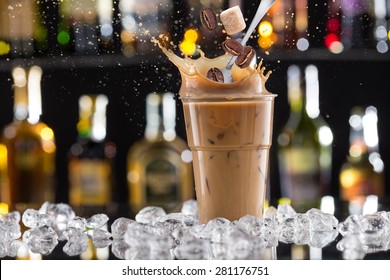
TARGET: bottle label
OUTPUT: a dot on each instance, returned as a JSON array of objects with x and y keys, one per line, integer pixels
[
  {"x": 161, "y": 182},
  {"x": 89, "y": 182},
  {"x": 27, "y": 154},
  {"x": 300, "y": 174}
]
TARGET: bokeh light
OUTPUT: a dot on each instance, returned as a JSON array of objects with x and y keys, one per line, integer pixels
[
  {"x": 265, "y": 29},
  {"x": 191, "y": 35}
]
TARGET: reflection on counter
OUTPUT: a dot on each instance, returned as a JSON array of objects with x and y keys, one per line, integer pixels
[{"x": 154, "y": 234}]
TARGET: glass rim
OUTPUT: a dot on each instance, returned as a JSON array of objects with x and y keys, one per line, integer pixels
[{"x": 226, "y": 98}]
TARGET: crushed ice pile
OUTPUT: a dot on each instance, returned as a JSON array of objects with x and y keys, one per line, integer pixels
[{"x": 154, "y": 234}]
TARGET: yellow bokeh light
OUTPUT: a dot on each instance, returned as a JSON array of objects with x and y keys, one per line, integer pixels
[
  {"x": 47, "y": 134},
  {"x": 388, "y": 34},
  {"x": 5, "y": 48},
  {"x": 265, "y": 42},
  {"x": 4, "y": 208},
  {"x": 349, "y": 178},
  {"x": 187, "y": 47},
  {"x": 191, "y": 35},
  {"x": 265, "y": 29},
  {"x": 3, "y": 156}
]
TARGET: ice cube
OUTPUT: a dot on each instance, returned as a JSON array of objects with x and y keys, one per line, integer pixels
[
  {"x": 270, "y": 213},
  {"x": 250, "y": 225},
  {"x": 320, "y": 221},
  {"x": 351, "y": 248},
  {"x": 168, "y": 226},
  {"x": 302, "y": 222},
  {"x": 97, "y": 221},
  {"x": 320, "y": 239},
  {"x": 59, "y": 215},
  {"x": 77, "y": 241},
  {"x": 9, "y": 248},
  {"x": 351, "y": 225},
  {"x": 270, "y": 232},
  {"x": 119, "y": 227},
  {"x": 218, "y": 234},
  {"x": 150, "y": 214},
  {"x": 218, "y": 251},
  {"x": 374, "y": 223},
  {"x": 12, "y": 217},
  {"x": 284, "y": 212},
  {"x": 188, "y": 220},
  {"x": 41, "y": 240},
  {"x": 32, "y": 219},
  {"x": 9, "y": 231},
  {"x": 101, "y": 238},
  {"x": 180, "y": 234},
  {"x": 190, "y": 207},
  {"x": 144, "y": 245},
  {"x": 197, "y": 230},
  {"x": 78, "y": 222},
  {"x": 193, "y": 249},
  {"x": 302, "y": 237},
  {"x": 213, "y": 224},
  {"x": 241, "y": 246},
  {"x": 119, "y": 248},
  {"x": 287, "y": 230}
]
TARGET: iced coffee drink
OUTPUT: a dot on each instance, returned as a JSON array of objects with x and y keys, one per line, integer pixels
[{"x": 229, "y": 131}]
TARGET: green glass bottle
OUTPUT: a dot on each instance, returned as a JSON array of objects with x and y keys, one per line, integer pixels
[
  {"x": 305, "y": 143},
  {"x": 362, "y": 173}
]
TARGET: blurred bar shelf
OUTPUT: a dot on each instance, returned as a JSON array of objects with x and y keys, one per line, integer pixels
[{"x": 117, "y": 60}]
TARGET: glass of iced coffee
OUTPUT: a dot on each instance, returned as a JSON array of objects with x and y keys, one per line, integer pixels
[{"x": 229, "y": 131}]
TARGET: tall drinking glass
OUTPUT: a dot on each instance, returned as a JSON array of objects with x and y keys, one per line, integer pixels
[{"x": 229, "y": 131}]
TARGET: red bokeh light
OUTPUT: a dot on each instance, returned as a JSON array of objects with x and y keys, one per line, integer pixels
[
  {"x": 331, "y": 38},
  {"x": 333, "y": 25}
]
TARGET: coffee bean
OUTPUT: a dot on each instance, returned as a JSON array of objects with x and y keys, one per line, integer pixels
[
  {"x": 245, "y": 58},
  {"x": 208, "y": 19},
  {"x": 232, "y": 47},
  {"x": 215, "y": 74}
]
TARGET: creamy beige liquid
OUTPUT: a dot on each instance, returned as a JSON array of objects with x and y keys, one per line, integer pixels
[
  {"x": 229, "y": 130},
  {"x": 230, "y": 141}
]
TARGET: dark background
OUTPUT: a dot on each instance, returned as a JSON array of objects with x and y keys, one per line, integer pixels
[{"x": 355, "y": 77}]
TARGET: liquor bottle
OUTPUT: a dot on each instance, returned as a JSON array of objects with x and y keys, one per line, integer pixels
[
  {"x": 332, "y": 40},
  {"x": 304, "y": 144},
  {"x": 65, "y": 34},
  {"x": 160, "y": 164},
  {"x": 80, "y": 18},
  {"x": 357, "y": 24},
  {"x": 381, "y": 28},
  {"x": 362, "y": 172},
  {"x": 30, "y": 146},
  {"x": 40, "y": 34},
  {"x": 91, "y": 157},
  {"x": 140, "y": 21},
  {"x": 21, "y": 27},
  {"x": 301, "y": 24},
  {"x": 104, "y": 10}
]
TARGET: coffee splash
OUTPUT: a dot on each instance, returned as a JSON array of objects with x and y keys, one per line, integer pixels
[{"x": 247, "y": 83}]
